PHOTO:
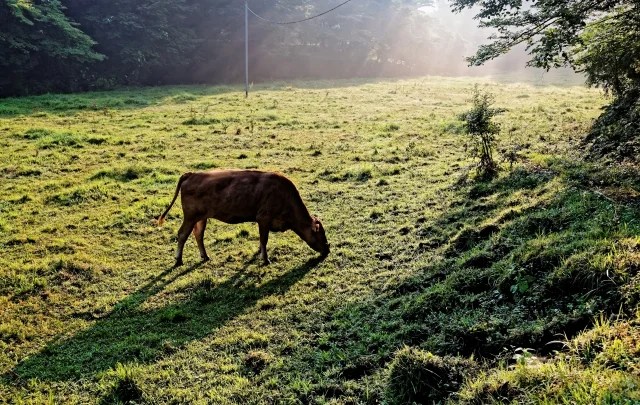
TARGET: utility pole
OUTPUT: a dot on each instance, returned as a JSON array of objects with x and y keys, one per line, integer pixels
[{"x": 246, "y": 49}]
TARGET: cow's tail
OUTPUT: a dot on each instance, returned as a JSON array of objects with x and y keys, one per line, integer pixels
[{"x": 175, "y": 196}]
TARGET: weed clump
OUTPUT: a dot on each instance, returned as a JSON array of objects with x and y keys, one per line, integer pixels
[
  {"x": 358, "y": 174},
  {"x": 479, "y": 125},
  {"x": 469, "y": 237},
  {"x": 78, "y": 196},
  {"x": 201, "y": 121},
  {"x": 420, "y": 377},
  {"x": 256, "y": 361},
  {"x": 183, "y": 98},
  {"x": 123, "y": 174},
  {"x": 204, "y": 165},
  {"x": 392, "y": 127},
  {"x": 96, "y": 141},
  {"x": 37, "y": 133},
  {"x": 174, "y": 315},
  {"x": 125, "y": 389},
  {"x": 60, "y": 139}
]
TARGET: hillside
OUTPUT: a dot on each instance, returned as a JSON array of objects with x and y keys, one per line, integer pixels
[{"x": 439, "y": 287}]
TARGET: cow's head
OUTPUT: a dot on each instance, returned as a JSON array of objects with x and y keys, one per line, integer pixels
[{"x": 317, "y": 239}]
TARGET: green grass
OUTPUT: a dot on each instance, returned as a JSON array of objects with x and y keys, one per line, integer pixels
[
  {"x": 598, "y": 366},
  {"x": 463, "y": 272}
]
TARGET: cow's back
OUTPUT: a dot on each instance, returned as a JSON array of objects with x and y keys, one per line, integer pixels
[{"x": 235, "y": 196}]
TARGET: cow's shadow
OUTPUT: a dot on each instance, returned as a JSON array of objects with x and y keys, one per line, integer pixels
[{"x": 131, "y": 333}]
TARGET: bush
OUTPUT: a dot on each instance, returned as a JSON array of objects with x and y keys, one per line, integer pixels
[
  {"x": 615, "y": 134},
  {"x": 479, "y": 125}
]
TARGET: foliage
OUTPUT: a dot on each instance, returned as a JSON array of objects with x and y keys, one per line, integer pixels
[
  {"x": 104, "y": 44},
  {"x": 609, "y": 51},
  {"x": 146, "y": 42},
  {"x": 549, "y": 28},
  {"x": 86, "y": 279},
  {"x": 615, "y": 133},
  {"x": 479, "y": 125},
  {"x": 124, "y": 388},
  {"x": 609, "y": 54},
  {"x": 40, "y": 48},
  {"x": 599, "y": 366}
]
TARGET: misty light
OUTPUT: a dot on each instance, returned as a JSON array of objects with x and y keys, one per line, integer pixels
[{"x": 430, "y": 9}]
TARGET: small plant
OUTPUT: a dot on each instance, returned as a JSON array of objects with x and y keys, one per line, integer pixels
[
  {"x": 125, "y": 389},
  {"x": 479, "y": 125}
]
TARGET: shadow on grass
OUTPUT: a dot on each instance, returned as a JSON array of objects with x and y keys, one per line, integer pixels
[
  {"x": 523, "y": 264},
  {"x": 104, "y": 101},
  {"x": 130, "y": 333},
  {"x": 130, "y": 98},
  {"x": 519, "y": 262}
]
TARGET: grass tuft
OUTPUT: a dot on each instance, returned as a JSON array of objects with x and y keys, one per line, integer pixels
[
  {"x": 125, "y": 389},
  {"x": 421, "y": 377}
]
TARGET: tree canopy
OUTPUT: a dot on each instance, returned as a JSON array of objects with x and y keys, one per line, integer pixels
[
  {"x": 94, "y": 44},
  {"x": 37, "y": 43},
  {"x": 575, "y": 33}
]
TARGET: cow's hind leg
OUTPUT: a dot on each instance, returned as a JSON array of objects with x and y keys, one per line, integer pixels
[
  {"x": 198, "y": 232},
  {"x": 183, "y": 235},
  {"x": 263, "y": 229}
]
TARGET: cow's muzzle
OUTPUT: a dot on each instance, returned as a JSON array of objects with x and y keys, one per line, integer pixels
[{"x": 325, "y": 251}]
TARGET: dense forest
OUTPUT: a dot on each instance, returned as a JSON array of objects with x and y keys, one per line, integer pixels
[{"x": 71, "y": 45}]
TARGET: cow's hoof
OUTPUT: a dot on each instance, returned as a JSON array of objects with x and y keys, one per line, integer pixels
[
  {"x": 266, "y": 262},
  {"x": 178, "y": 264},
  {"x": 205, "y": 259}
]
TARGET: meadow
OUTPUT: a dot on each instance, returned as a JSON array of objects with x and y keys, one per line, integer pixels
[{"x": 523, "y": 288}]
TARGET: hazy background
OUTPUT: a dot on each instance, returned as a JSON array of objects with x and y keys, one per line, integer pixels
[
  {"x": 413, "y": 40},
  {"x": 75, "y": 45}
]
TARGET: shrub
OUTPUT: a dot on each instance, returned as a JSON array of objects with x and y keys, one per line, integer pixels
[
  {"x": 479, "y": 125},
  {"x": 615, "y": 133}
]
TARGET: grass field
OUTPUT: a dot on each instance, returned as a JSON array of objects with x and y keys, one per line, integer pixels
[{"x": 429, "y": 267}]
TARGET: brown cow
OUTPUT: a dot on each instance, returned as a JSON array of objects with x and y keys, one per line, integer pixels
[{"x": 235, "y": 196}]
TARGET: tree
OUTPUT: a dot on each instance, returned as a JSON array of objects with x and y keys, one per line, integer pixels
[
  {"x": 40, "y": 48},
  {"x": 479, "y": 125},
  {"x": 610, "y": 57},
  {"x": 548, "y": 27},
  {"x": 600, "y": 38},
  {"x": 609, "y": 51},
  {"x": 146, "y": 42},
  {"x": 93, "y": 44}
]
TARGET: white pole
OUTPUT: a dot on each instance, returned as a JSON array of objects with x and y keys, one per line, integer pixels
[{"x": 246, "y": 49}]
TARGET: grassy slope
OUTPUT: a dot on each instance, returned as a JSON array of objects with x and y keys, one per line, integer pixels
[{"x": 91, "y": 311}]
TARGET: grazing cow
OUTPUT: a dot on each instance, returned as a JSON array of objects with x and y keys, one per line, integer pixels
[{"x": 235, "y": 196}]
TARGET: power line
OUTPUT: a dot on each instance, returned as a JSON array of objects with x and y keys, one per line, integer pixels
[
  {"x": 247, "y": 10},
  {"x": 297, "y": 21}
]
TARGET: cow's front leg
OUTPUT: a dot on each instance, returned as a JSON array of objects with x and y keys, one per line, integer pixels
[
  {"x": 198, "y": 233},
  {"x": 263, "y": 229},
  {"x": 183, "y": 235}
]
